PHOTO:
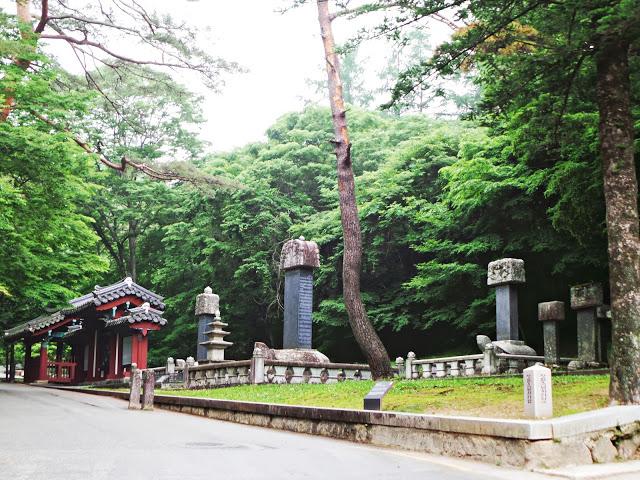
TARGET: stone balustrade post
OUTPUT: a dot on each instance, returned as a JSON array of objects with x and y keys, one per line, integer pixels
[
  {"x": 585, "y": 299},
  {"x": 257, "y": 366},
  {"x": 135, "y": 387},
  {"x": 489, "y": 360},
  {"x": 408, "y": 366},
  {"x": 440, "y": 370},
  {"x": 148, "y": 387},
  {"x": 171, "y": 366},
  {"x": 469, "y": 368},
  {"x": 550, "y": 313},
  {"x": 505, "y": 275},
  {"x": 400, "y": 366}
]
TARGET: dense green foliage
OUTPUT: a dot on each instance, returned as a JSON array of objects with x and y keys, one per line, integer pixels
[{"x": 438, "y": 201}]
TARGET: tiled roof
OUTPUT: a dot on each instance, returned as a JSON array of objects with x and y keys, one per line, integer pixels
[
  {"x": 102, "y": 295},
  {"x": 99, "y": 296},
  {"x": 43, "y": 321},
  {"x": 143, "y": 313}
]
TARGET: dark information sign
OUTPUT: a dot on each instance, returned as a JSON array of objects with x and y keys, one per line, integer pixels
[{"x": 373, "y": 400}]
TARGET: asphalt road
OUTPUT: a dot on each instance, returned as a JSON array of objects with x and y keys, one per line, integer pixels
[{"x": 51, "y": 434}]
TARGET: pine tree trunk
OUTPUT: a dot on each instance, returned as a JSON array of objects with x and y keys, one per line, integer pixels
[
  {"x": 366, "y": 336},
  {"x": 621, "y": 197}
]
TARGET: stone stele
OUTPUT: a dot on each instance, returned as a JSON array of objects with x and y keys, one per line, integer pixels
[
  {"x": 586, "y": 295},
  {"x": 505, "y": 271},
  {"x": 208, "y": 303},
  {"x": 299, "y": 253}
]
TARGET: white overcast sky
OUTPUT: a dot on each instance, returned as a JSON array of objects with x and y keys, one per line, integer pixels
[{"x": 279, "y": 51}]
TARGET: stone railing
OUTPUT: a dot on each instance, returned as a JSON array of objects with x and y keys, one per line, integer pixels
[
  {"x": 487, "y": 363},
  {"x": 219, "y": 374},
  {"x": 260, "y": 370},
  {"x": 276, "y": 371}
]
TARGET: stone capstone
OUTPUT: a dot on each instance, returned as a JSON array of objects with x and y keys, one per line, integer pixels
[
  {"x": 306, "y": 355},
  {"x": 586, "y": 296},
  {"x": 208, "y": 303},
  {"x": 551, "y": 311},
  {"x": 299, "y": 253},
  {"x": 505, "y": 271}
]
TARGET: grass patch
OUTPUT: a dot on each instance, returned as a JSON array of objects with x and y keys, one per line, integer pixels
[{"x": 486, "y": 397}]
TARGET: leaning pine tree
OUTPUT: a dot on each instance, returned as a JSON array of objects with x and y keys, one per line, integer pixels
[{"x": 366, "y": 336}]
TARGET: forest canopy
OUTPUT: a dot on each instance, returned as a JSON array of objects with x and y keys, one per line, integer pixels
[{"x": 518, "y": 176}]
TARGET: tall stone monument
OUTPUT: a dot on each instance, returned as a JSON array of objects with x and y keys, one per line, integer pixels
[
  {"x": 211, "y": 343},
  {"x": 298, "y": 260},
  {"x": 550, "y": 313},
  {"x": 505, "y": 275},
  {"x": 585, "y": 299}
]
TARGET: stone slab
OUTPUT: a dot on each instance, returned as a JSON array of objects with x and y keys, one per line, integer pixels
[
  {"x": 601, "y": 419},
  {"x": 298, "y": 304}
]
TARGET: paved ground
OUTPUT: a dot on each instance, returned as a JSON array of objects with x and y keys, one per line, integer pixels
[{"x": 51, "y": 434}]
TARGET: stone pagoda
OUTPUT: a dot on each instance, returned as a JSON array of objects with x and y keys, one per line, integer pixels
[{"x": 211, "y": 343}]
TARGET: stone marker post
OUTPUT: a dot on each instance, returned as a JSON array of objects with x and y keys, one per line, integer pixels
[
  {"x": 298, "y": 259},
  {"x": 550, "y": 313},
  {"x": 537, "y": 392},
  {"x": 148, "y": 386},
  {"x": 136, "y": 385},
  {"x": 211, "y": 343},
  {"x": 505, "y": 275},
  {"x": 171, "y": 366},
  {"x": 257, "y": 366},
  {"x": 585, "y": 299},
  {"x": 400, "y": 366}
]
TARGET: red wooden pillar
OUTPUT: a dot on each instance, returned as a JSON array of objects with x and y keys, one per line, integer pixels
[
  {"x": 93, "y": 339},
  {"x": 134, "y": 349},
  {"x": 42, "y": 370},
  {"x": 76, "y": 358},
  {"x": 143, "y": 345},
  {"x": 111, "y": 372},
  {"x": 12, "y": 363},
  {"x": 27, "y": 362}
]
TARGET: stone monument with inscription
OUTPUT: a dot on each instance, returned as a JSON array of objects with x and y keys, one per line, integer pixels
[
  {"x": 585, "y": 299},
  {"x": 298, "y": 260},
  {"x": 538, "y": 402},
  {"x": 505, "y": 275},
  {"x": 550, "y": 313}
]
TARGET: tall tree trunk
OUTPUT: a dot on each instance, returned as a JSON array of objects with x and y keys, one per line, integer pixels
[
  {"x": 133, "y": 241},
  {"x": 23, "y": 13},
  {"x": 366, "y": 336},
  {"x": 621, "y": 197}
]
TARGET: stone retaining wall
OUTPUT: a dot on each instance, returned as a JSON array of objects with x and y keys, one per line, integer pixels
[{"x": 602, "y": 435}]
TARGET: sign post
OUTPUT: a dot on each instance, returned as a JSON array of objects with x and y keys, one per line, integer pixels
[{"x": 373, "y": 399}]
